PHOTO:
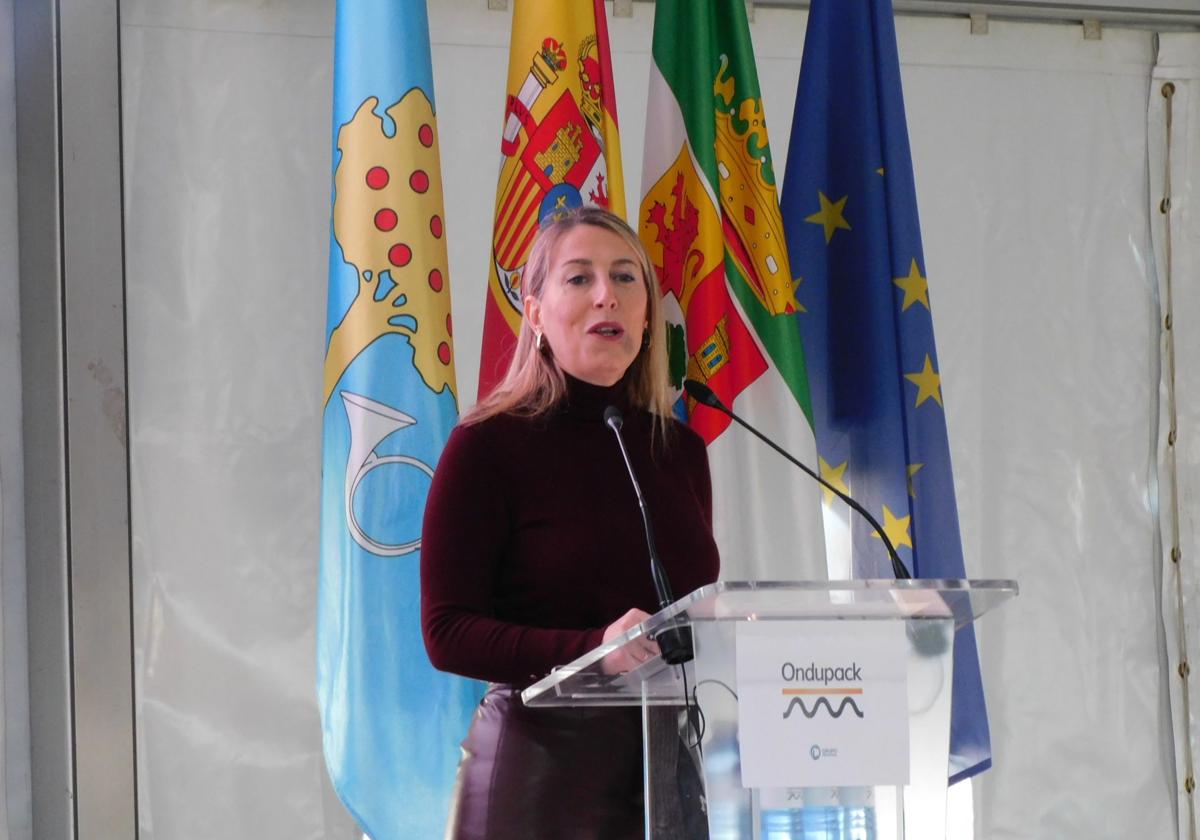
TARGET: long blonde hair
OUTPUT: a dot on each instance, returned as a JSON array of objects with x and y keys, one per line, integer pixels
[{"x": 534, "y": 384}]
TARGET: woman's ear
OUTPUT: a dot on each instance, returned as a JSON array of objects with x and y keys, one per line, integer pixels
[{"x": 533, "y": 313}]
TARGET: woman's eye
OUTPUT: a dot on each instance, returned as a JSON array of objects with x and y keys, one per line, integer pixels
[
  {"x": 577, "y": 279},
  {"x": 624, "y": 277}
]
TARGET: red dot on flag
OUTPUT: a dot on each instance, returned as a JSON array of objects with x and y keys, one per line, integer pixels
[
  {"x": 444, "y": 353},
  {"x": 377, "y": 177},
  {"x": 385, "y": 219},
  {"x": 449, "y": 325},
  {"x": 435, "y": 280},
  {"x": 400, "y": 255},
  {"x": 435, "y": 227},
  {"x": 425, "y": 135},
  {"x": 419, "y": 181}
]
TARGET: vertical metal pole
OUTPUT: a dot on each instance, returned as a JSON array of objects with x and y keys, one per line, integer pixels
[
  {"x": 35, "y": 29},
  {"x": 76, "y": 441},
  {"x": 93, "y": 249}
]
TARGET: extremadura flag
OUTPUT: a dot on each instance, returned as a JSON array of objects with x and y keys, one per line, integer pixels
[{"x": 710, "y": 218}]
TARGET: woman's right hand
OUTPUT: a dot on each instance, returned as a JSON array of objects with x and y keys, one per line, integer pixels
[{"x": 633, "y": 654}]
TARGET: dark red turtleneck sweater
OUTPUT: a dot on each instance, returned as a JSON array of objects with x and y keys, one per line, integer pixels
[{"x": 533, "y": 543}]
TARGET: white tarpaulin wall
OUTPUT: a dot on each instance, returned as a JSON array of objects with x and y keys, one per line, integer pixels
[{"x": 1032, "y": 157}]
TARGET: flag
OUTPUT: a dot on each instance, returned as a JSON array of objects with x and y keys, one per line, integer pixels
[
  {"x": 559, "y": 150},
  {"x": 390, "y": 723},
  {"x": 850, "y": 208},
  {"x": 709, "y": 216}
]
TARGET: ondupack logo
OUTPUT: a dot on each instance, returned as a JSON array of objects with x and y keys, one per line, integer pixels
[{"x": 813, "y": 673}]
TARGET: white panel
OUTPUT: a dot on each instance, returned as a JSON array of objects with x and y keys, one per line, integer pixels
[
  {"x": 1030, "y": 164},
  {"x": 227, "y": 127}
]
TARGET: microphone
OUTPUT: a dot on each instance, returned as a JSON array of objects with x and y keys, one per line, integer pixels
[
  {"x": 704, "y": 395},
  {"x": 675, "y": 643}
]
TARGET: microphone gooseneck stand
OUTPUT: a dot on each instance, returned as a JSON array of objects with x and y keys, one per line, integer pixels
[
  {"x": 704, "y": 395},
  {"x": 674, "y": 642}
]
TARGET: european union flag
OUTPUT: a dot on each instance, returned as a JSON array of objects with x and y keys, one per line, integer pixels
[
  {"x": 390, "y": 723},
  {"x": 850, "y": 214}
]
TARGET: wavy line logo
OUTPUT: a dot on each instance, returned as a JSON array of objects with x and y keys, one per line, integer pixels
[{"x": 821, "y": 701}]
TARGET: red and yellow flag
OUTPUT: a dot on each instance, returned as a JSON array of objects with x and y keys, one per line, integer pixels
[{"x": 559, "y": 149}]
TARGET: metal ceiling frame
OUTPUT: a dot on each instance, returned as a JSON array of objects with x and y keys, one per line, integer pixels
[{"x": 1159, "y": 14}]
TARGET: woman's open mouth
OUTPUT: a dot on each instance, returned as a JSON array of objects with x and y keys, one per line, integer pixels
[{"x": 607, "y": 329}]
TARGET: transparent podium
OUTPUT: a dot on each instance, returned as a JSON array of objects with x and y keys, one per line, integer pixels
[{"x": 815, "y": 710}]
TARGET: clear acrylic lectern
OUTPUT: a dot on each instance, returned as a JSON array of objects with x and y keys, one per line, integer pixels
[{"x": 788, "y": 751}]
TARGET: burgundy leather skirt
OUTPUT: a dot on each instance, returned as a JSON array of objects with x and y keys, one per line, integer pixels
[{"x": 548, "y": 774}]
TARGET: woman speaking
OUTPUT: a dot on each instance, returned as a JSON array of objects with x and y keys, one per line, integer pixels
[{"x": 533, "y": 551}]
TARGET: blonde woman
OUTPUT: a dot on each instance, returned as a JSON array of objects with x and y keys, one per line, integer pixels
[{"x": 533, "y": 551}]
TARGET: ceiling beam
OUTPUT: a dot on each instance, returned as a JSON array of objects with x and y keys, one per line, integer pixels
[{"x": 1149, "y": 13}]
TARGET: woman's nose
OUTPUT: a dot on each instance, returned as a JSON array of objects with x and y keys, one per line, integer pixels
[{"x": 606, "y": 293}]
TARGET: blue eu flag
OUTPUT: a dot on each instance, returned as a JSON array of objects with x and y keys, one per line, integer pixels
[{"x": 850, "y": 214}]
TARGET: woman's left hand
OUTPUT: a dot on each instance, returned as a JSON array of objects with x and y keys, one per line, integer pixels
[{"x": 632, "y": 654}]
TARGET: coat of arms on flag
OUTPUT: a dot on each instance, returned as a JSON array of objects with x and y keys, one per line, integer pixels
[{"x": 559, "y": 150}]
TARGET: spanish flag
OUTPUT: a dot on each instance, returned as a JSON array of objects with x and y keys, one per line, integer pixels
[{"x": 559, "y": 149}]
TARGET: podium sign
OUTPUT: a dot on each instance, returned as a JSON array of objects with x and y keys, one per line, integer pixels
[{"x": 822, "y": 703}]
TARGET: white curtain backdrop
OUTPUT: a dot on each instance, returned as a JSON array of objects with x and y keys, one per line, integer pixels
[
  {"x": 227, "y": 128},
  {"x": 1031, "y": 158},
  {"x": 1031, "y": 175}
]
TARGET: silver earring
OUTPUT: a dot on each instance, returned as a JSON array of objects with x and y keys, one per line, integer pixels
[{"x": 538, "y": 341}]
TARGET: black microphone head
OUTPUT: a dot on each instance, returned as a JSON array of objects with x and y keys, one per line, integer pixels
[
  {"x": 613, "y": 418},
  {"x": 702, "y": 394}
]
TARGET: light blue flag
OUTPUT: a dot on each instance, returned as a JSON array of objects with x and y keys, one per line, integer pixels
[
  {"x": 850, "y": 216},
  {"x": 391, "y": 723}
]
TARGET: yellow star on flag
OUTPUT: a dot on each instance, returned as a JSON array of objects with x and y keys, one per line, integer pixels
[
  {"x": 796, "y": 285},
  {"x": 830, "y": 215},
  {"x": 835, "y": 476},
  {"x": 916, "y": 288},
  {"x": 896, "y": 528},
  {"x": 913, "y": 469},
  {"x": 929, "y": 384}
]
